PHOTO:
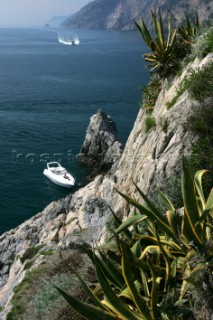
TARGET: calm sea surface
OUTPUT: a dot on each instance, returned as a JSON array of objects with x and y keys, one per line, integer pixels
[{"x": 48, "y": 92}]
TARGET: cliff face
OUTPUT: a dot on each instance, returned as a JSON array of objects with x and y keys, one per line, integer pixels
[
  {"x": 149, "y": 158},
  {"x": 121, "y": 14}
]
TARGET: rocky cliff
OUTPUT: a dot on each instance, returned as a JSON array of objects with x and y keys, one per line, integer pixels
[
  {"x": 121, "y": 14},
  {"x": 149, "y": 159}
]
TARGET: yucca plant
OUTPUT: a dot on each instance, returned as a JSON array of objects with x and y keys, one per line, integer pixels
[
  {"x": 165, "y": 46},
  {"x": 156, "y": 261}
]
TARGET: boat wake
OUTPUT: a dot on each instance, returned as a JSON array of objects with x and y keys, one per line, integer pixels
[{"x": 68, "y": 38}]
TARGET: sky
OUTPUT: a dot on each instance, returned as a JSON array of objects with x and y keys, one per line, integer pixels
[{"x": 36, "y": 12}]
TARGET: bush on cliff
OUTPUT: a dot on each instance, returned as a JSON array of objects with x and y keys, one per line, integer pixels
[
  {"x": 162, "y": 264},
  {"x": 198, "y": 83}
]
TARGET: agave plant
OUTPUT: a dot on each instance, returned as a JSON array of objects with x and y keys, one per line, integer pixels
[
  {"x": 165, "y": 46},
  {"x": 148, "y": 275},
  {"x": 188, "y": 30}
]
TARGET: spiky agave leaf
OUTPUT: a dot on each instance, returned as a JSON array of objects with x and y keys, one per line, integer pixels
[
  {"x": 191, "y": 209},
  {"x": 118, "y": 307},
  {"x": 199, "y": 187},
  {"x": 130, "y": 222},
  {"x": 140, "y": 304},
  {"x": 173, "y": 217},
  {"x": 118, "y": 223},
  {"x": 167, "y": 259},
  {"x": 153, "y": 252},
  {"x": 111, "y": 270},
  {"x": 144, "y": 32},
  {"x": 189, "y": 29},
  {"x": 87, "y": 311},
  {"x": 164, "y": 45},
  {"x": 153, "y": 216},
  {"x": 85, "y": 287}
]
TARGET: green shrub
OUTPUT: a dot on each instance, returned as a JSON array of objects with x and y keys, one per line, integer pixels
[
  {"x": 202, "y": 297},
  {"x": 15, "y": 313},
  {"x": 47, "y": 298},
  {"x": 149, "y": 123},
  {"x": 209, "y": 41},
  {"x": 189, "y": 29},
  {"x": 150, "y": 94},
  {"x": 47, "y": 252},
  {"x": 30, "y": 253},
  {"x": 172, "y": 187},
  {"x": 20, "y": 301},
  {"x": 203, "y": 44},
  {"x": 29, "y": 264},
  {"x": 199, "y": 84},
  {"x": 27, "y": 296},
  {"x": 183, "y": 86},
  {"x": 164, "y": 123},
  {"x": 200, "y": 125}
]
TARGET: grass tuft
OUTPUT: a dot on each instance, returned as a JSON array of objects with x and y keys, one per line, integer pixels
[
  {"x": 200, "y": 126},
  {"x": 30, "y": 253},
  {"x": 149, "y": 123},
  {"x": 199, "y": 84},
  {"x": 164, "y": 123},
  {"x": 150, "y": 94}
]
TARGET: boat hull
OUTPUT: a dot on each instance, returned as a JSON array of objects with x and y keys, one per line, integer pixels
[{"x": 60, "y": 181}]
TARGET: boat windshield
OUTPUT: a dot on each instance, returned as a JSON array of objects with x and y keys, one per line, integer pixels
[{"x": 53, "y": 165}]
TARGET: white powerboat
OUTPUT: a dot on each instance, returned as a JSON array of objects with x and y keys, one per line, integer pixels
[{"x": 59, "y": 175}]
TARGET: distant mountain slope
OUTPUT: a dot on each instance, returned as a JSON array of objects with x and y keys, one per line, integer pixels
[
  {"x": 121, "y": 14},
  {"x": 56, "y": 21}
]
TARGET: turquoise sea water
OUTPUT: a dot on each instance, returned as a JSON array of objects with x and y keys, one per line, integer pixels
[{"x": 48, "y": 92}]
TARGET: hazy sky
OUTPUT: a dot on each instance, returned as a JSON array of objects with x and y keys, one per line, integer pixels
[{"x": 36, "y": 12}]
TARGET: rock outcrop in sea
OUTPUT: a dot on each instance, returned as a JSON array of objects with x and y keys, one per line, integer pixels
[
  {"x": 102, "y": 147},
  {"x": 149, "y": 159}
]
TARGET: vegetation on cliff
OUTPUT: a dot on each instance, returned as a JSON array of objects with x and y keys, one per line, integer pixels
[
  {"x": 160, "y": 269},
  {"x": 36, "y": 298},
  {"x": 167, "y": 48},
  {"x": 171, "y": 51},
  {"x": 162, "y": 264},
  {"x": 161, "y": 261}
]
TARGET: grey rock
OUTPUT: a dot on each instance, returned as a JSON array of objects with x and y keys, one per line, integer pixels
[
  {"x": 5, "y": 270},
  {"x": 101, "y": 148},
  {"x": 95, "y": 203}
]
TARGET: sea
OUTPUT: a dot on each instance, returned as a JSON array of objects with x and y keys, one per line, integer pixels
[{"x": 52, "y": 80}]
